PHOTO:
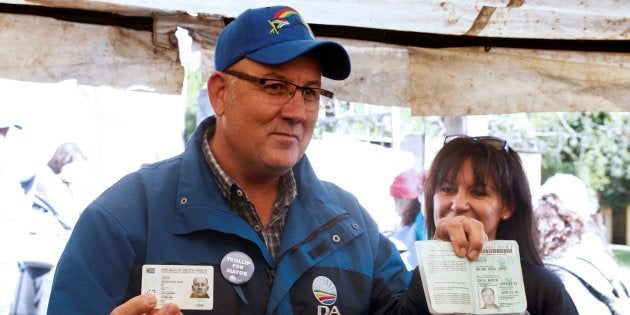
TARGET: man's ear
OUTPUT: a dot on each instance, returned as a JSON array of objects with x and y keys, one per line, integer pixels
[{"x": 217, "y": 92}]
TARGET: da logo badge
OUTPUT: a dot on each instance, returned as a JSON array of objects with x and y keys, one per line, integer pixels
[{"x": 326, "y": 293}]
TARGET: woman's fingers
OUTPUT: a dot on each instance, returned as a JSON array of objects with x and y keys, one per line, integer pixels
[{"x": 465, "y": 234}]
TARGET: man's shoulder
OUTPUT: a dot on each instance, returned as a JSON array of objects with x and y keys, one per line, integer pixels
[
  {"x": 135, "y": 188},
  {"x": 337, "y": 190},
  {"x": 146, "y": 173}
]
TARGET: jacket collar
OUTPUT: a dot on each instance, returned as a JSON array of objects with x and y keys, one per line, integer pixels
[{"x": 200, "y": 205}]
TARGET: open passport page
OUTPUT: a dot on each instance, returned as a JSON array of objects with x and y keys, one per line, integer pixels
[{"x": 492, "y": 284}]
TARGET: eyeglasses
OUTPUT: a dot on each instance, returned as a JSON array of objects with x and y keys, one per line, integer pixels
[
  {"x": 493, "y": 141},
  {"x": 280, "y": 92}
]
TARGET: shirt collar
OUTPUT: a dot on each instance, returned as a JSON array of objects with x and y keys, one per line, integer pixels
[{"x": 288, "y": 187}]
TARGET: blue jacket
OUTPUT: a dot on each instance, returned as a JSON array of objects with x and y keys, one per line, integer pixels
[{"x": 172, "y": 212}]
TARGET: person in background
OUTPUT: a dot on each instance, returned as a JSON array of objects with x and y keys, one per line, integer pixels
[
  {"x": 57, "y": 186},
  {"x": 16, "y": 166},
  {"x": 18, "y": 163},
  {"x": 572, "y": 243},
  {"x": 482, "y": 180},
  {"x": 46, "y": 227},
  {"x": 12, "y": 152},
  {"x": 405, "y": 189},
  {"x": 243, "y": 190}
]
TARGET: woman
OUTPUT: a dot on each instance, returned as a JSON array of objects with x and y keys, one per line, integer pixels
[
  {"x": 573, "y": 245},
  {"x": 482, "y": 178},
  {"x": 405, "y": 190}
]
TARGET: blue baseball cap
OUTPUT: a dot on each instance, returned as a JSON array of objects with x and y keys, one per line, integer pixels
[{"x": 276, "y": 35}]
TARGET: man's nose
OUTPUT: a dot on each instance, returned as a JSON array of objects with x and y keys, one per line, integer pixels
[{"x": 295, "y": 108}]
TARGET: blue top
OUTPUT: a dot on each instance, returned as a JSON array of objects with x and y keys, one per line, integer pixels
[
  {"x": 408, "y": 235},
  {"x": 172, "y": 212}
]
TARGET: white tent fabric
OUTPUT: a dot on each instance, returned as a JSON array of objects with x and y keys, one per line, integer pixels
[
  {"x": 41, "y": 49},
  {"x": 512, "y": 80},
  {"x": 551, "y": 19},
  {"x": 448, "y": 81},
  {"x": 465, "y": 81}
]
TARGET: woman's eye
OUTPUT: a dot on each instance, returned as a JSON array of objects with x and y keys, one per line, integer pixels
[
  {"x": 480, "y": 193},
  {"x": 447, "y": 190}
]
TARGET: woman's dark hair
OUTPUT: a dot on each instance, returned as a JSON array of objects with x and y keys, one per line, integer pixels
[
  {"x": 409, "y": 209},
  {"x": 503, "y": 168}
]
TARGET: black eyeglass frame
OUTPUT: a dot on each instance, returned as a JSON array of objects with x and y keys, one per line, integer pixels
[
  {"x": 262, "y": 81},
  {"x": 498, "y": 143}
]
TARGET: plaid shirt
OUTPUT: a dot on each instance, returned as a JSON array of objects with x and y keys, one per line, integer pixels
[{"x": 237, "y": 198}]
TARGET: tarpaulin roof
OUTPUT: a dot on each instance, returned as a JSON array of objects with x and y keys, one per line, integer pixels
[{"x": 437, "y": 57}]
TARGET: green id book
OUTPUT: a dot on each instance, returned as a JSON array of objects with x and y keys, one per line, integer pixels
[{"x": 492, "y": 284}]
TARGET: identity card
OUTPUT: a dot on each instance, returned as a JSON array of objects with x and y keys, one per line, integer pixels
[{"x": 190, "y": 287}]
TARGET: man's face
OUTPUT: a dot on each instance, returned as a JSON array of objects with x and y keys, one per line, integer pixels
[
  {"x": 200, "y": 286},
  {"x": 488, "y": 297},
  {"x": 265, "y": 137}
]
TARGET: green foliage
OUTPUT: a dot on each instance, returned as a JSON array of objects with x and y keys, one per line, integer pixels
[
  {"x": 622, "y": 253},
  {"x": 517, "y": 129},
  {"x": 416, "y": 125},
  {"x": 193, "y": 85},
  {"x": 355, "y": 119},
  {"x": 369, "y": 121},
  {"x": 592, "y": 146}
]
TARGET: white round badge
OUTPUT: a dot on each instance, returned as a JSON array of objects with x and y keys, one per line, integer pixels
[{"x": 237, "y": 267}]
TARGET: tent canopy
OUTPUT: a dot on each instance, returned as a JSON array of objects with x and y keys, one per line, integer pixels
[
  {"x": 437, "y": 57},
  {"x": 547, "y": 19}
]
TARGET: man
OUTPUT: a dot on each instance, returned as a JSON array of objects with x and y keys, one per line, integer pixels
[
  {"x": 200, "y": 288},
  {"x": 244, "y": 192},
  {"x": 487, "y": 295}
]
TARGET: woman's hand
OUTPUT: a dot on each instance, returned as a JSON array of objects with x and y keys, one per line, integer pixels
[{"x": 466, "y": 235}]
